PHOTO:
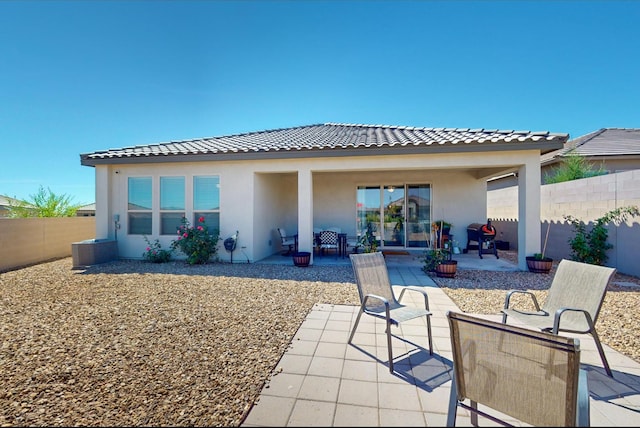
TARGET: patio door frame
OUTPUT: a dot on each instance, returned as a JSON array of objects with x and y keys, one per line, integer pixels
[{"x": 396, "y": 222}]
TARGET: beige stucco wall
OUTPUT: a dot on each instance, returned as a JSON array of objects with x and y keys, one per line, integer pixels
[
  {"x": 586, "y": 199},
  {"x": 258, "y": 196},
  {"x": 26, "y": 241}
]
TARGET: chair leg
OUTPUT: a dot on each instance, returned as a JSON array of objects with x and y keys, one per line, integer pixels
[
  {"x": 605, "y": 363},
  {"x": 353, "y": 330},
  {"x": 429, "y": 334},
  {"x": 474, "y": 413},
  {"x": 390, "y": 351},
  {"x": 582, "y": 417},
  {"x": 453, "y": 402}
]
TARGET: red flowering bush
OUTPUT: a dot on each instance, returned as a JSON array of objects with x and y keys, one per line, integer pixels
[
  {"x": 155, "y": 253},
  {"x": 196, "y": 242}
]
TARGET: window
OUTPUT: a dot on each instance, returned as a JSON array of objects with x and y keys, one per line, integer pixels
[
  {"x": 139, "y": 205},
  {"x": 206, "y": 201},
  {"x": 171, "y": 204}
]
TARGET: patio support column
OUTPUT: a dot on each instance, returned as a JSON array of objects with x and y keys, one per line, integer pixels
[
  {"x": 528, "y": 210},
  {"x": 104, "y": 211},
  {"x": 305, "y": 211}
]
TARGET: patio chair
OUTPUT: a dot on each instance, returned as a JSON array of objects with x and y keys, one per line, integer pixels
[
  {"x": 378, "y": 299},
  {"x": 503, "y": 371},
  {"x": 328, "y": 240},
  {"x": 572, "y": 304},
  {"x": 288, "y": 241}
]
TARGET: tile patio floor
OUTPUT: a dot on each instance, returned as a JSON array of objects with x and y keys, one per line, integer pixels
[{"x": 323, "y": 381}]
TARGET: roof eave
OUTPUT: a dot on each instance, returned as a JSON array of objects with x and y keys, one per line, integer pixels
[{"x": 543, "y": 146}]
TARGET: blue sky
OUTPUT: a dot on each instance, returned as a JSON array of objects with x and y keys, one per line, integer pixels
[{"x": 82, "y": 76}]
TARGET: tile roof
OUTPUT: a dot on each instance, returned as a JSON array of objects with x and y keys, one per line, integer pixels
[
  {"x": 603, "y": 142},
  {"x": 320, "y": 138}
]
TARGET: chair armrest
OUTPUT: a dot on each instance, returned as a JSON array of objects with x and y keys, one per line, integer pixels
[
  {"x": 512, "y": 292},
  {"x": 561, "y": 311},
  {"x": 382, "y": 299},
  {"x": 374, "y": 296},
  {"x": 417, "y": 290}
]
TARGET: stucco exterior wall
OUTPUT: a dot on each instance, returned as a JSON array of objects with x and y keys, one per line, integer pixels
[
  {"x": 258, "y": 196},
  {"x": 27, "y": 241},
  {"x": 586, "y": 199}
]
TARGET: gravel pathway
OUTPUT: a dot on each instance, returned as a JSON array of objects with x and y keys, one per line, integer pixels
[{"x": 138, "y": 344}]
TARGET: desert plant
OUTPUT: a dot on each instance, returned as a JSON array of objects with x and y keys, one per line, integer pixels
[
  {"x": 573, "y": 167},
  {"x": 196, "y": 242},
  {"x": 45, "y": 203},
  {"x": 590, "y": 246},
  {"x": 154, "y": 252}
]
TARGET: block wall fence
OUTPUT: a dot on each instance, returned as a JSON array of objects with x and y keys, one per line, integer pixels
[
  {"x": 587, "y": 199},
  {"x": 28, "y": 241}
]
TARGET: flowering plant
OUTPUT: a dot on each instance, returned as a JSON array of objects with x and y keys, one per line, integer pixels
[
  {"x": 155, "y": 253},
  {"x": 196, "y": 242}
]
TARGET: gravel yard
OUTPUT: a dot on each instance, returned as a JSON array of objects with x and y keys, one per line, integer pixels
[{"x": 138, "y": 344}]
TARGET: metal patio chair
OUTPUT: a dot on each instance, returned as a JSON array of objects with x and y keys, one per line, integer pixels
[
  {"x": 288, "y": 241},
  {"x": 572, "y": 305},
  {"x": 378, "y": 299},
  {"x": 328, "y": 240},
  {"x": 503, "y": 371}
]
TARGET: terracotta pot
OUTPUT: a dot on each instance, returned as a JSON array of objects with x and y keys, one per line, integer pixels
[
  {"x": 447, "y": 269},
  {"x": 302, "y": 259},
  {"x": 539, "y": 265}
]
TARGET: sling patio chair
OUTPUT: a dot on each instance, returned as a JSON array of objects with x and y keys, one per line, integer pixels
[
  {"x": 378, "y": 299},
  {"x": 515, "y": 376},
  {"x": 572, "y": 304}
]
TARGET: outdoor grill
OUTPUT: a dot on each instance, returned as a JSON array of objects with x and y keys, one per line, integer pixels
[{"x": 484, "y": 236}]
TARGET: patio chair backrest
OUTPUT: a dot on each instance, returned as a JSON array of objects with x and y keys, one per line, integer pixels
[
  {"x": 282, "y": 232},
  {"x": 526, "y": 374},
  {"x": 372, "y": 276},
  {"x": 578, "y": 285},
  {"x": 329, "y": 238}
]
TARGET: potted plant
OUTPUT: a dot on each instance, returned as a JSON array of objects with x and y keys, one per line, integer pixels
[
  {"x": 302, "y": 258},
  {"x": 538, "y": 263},
  {"x": 437, "y": 260},
  {"x": 447, "y": 268}
]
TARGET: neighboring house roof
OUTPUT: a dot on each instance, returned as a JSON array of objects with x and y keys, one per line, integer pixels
[
  {"x": 6, "y": 201},
  {"x": 88, "y": 207},
  {"x": 605, "y": 142},
  {"x": 330, "y": 139}
]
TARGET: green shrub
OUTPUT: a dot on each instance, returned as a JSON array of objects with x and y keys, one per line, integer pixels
[
  {"x": 196, "y": 242},
  {"x": 590, "y": 246},
  {"x": 432, "y": 258},
  {"x": 154, "y": 252}
]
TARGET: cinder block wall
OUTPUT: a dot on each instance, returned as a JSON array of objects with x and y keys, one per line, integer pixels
[
  {"x": 587, "y": 199},
  {"x": 27, "y": 241}
]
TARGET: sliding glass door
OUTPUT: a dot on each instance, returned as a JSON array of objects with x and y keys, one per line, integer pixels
[
  {"x": 398, "y": 215},
  {"x": 418, "y": 215},
  {"x": 393, "y": 214}
]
